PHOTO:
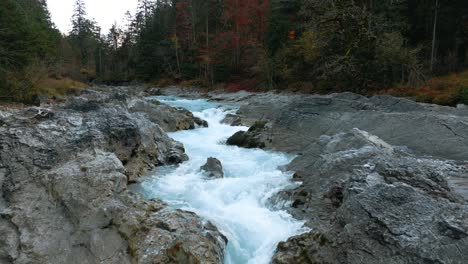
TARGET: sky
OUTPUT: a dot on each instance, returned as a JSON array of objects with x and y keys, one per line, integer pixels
[{"x": 105, "y": 12}]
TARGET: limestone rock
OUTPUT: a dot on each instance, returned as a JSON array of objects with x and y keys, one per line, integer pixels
[
  {"x": 232, "y": 119},
  {"x": 213, "y": 167},
  {"x": 369, "y": 202},
  {"x": 63, "y": 188},
  {"x": 170, "y": 119},
  {"x": 256, "y": 137}
]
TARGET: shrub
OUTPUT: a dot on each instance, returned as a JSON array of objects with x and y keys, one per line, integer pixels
[
  {"x": 200, "y": 82},
  {"x": 463, "y": 95}
]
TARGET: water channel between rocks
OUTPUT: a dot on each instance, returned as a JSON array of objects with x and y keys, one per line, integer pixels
[{"x": 237, "y": 204}]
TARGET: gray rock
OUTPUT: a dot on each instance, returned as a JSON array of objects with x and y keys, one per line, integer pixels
[
  {"x": 367, "y": 202},
  {"x": 232, "y": 119},
  {"x": 213, "y": 167},
  {"x": 296, "y": 121},
  {"x": 82, "y": 104},
  {"x": 63, "y": 190},
  {"x": 38, "y": 113},
  {"x": 154, "y": 92},
  {"x": 366, "y": 198},
  {"x": 170, "y": 119},
  {"x": 257, "y": 136}
]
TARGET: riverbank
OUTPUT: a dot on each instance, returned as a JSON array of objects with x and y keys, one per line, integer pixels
[
  {"x": 64, "y": 172},
  {"x": 380, "y": 179}
]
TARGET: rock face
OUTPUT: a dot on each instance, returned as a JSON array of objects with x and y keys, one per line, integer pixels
[
  {"x": 63, "y": 196},
  {"x": 381, "y": 196},
  {"x": 256, "y": 137},
  {"x": 170, "y": 119},
  {"x": 369, "y": 202},
  {"x": 232, "y": 119},
  {"x": 297, "y": 121},
  {"x": 213, "y": 167}
]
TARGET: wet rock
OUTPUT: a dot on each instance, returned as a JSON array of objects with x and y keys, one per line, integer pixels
[
  {"x": 256, "y": 137},
  {"x": 176, "y": 154},
  {"x": 170, "y": 119},
  {"x": 232, "y": 119},
  {"x": 154, "y": 92},
  {"x": 178, "y": 239},
  {"x": 213, "y": 168},
  {"x": 299, "y": 249},
  {"x": 258, "y": 126}
]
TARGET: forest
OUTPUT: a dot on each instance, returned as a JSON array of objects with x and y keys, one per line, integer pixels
[{"x": 415, "y": 48}]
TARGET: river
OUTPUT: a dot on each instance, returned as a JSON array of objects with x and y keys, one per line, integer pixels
[{"x": 237, "y": 204}]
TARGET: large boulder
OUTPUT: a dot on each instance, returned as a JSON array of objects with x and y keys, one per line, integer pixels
[
  {"x": 91, "y": 218},
  {"x": 256, "y": 137},
  {"x": 232, "y": 120},
  {"x": 369, "y": 202},
  {"x": 213, "y": 168},
  {"x": 299, "y": 120},
  {"x": 64, "y": 198},
  {"x": 170, "y": 119}
]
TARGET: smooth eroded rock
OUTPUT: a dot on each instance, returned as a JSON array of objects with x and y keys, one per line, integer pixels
[
  {"x": 258, "y": 136},
  {"x": 369, "y": 202},
  {"x": 63, "y": 188},
  {"x": 170, "y": 119},
  {"x": 213, "y": 168}
]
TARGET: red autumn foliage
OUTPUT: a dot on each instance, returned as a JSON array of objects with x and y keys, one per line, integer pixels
[
  {"x": 184, "y": 20},
  {"x": 244, "y": 23},
  {"x": 245, "y": 85}
]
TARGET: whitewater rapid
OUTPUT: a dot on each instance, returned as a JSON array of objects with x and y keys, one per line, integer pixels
[{"x": 238, "y": 204}]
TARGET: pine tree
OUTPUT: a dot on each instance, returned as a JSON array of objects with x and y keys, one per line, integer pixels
[
  {"x": 84, "y": 35},
  {"x": 27, "y": 38}
]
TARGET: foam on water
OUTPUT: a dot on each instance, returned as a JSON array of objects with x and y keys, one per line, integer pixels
[{"x": 236, "y": 204}]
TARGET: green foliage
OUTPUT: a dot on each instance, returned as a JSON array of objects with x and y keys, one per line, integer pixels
[
  {"x": 463, "y": 95},
  {"x": 28, "y": 45},
  {"x": 307, "y": 45}
]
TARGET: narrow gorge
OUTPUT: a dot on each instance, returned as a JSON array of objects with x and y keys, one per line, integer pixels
[{"x": 238, "y": 204}]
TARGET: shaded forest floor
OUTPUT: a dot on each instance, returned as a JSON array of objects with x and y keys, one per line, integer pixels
[{"x": 451, "y": 89}]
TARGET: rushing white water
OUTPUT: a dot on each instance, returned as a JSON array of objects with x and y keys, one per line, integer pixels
[{"x": 236, "y": 204}]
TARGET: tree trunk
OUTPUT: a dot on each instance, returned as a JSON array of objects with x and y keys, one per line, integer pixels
[
  {"x": 207, "y": 49},
  {"x": 237, "y": 55},
  {"x": 433, "y": 53}
]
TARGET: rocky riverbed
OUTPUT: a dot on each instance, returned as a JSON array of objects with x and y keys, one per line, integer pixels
[
  {"x": 379, "y": 179},
  {"x": 383, "y": 179}
]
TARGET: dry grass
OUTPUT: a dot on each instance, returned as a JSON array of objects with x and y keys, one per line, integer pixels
[
  {"x": 59, "y": 87},
  {"x": 450, "y": 90},
  {"x": 200, "y": 82},
  {"x": 161, "y": 83}
]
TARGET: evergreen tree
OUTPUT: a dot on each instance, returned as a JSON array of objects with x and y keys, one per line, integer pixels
[
  {"x": 27, "y": 39},
  {"x": 84, "y": 35}
]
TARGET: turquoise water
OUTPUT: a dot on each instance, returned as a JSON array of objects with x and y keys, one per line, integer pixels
[{"x": 237, "y": 204}]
